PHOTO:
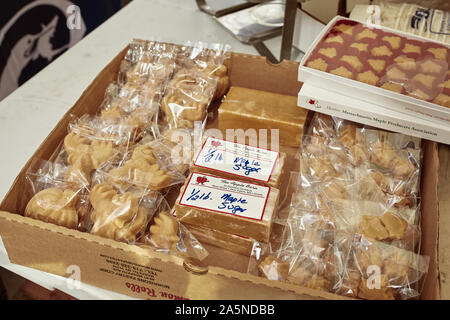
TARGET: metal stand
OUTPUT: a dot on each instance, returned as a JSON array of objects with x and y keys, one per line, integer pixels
[
  {"x": 287, "y": 31},
  {"x": 3, "y": 292},
  {"x": 203, "y": 6}
]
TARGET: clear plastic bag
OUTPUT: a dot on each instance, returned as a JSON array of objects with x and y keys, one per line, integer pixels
[
  {"x": 407, "y": 16},
  {"x": 230, "y": 242},
  {"x": 385, "y": 272},
  {"x": 335, "y": 148},
  {"x": 355, "y": 182},
  {"x": 182, "y": 144},
  {"x": 200, "y": 78},
  {"x": 397, "y": 157},
  {"x": 147, "y": 166},
  {"x": 136, "y": 97},
  {"x": 166, "y": 234},
  {"x": 211, "y": 59},
  {"x": 312, "y": 254},
  {"x": 148, "y": 60},
  {"x": 121, "y": 215},
  {"x": 50, "y": 198},
  {"x": 354, "y": 170},
  {"x": 187, "y": 98},
  {"x": 132, "y": 105},
  {"x": 90, "y": 143},
  {"x": 93, "y": 127}
]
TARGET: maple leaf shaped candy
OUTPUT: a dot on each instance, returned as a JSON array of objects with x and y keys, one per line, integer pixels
[
  {"x": 115, "y": 215},
  {"x": 164, "y": 231},
  {"x": 54, "y": 205}
]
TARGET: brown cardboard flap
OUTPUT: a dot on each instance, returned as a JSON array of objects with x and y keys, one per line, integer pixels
[
  {"x": 430, "y": 218},
  {"x": 444, "y": 220},
  {"x": 279, "y": 78},
  {"x": 59, "y": 248},
  {"x": 317, "y": 294},
  {"x": 8, "y": 220}
]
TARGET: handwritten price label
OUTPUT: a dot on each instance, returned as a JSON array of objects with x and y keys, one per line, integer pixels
[
  {"x": 237, "y": 159},
  {"x": 227, "y": 196}
]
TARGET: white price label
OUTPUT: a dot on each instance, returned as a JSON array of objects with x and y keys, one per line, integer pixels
[
  {"x": 227, "y": 196},
  {"x": 237, "y": 159}
]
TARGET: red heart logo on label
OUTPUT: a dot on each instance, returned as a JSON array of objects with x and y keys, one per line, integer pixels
[
  {"x": 311, "y": 101},
  {"x": 215, "y": 143},
  {"x": 201, "y": 180}
]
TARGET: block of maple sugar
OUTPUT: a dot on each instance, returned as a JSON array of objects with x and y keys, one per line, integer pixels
[
  {"x": 228, "y": 205},
  {"x": 238, "y": 161},
  {"x": 227, "y": 241},
  {"x": 246, "y": 109}
]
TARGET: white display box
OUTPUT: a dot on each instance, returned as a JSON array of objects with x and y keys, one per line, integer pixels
[{"x": 376, "y": 98}]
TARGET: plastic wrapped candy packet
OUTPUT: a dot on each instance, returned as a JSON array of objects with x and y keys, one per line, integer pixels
[
  {"x": 121, "y": 215},
  {"x": 353, "y": 206},
  {"x": 187, "y": 98},
  {"x": 354, "y": 182},
  {"x": 143, "y": 76},
  {"x": 166, "y": 234},
  {"x": 323, "y": 161},
  {"x": 312, "y": 254},
  {"x": 129, "y": 98},
  {"x": 148, "y": 60},
  {"x": 200, "y": 78},
  {"x": 379, "y": 271},
  {"x": 182, "y": 144},
  {"x": 211, "y": 60},
  {"x": 123, "y": 136},
  {"x": 388, "y": 224},
  {"x": 369, "y": 157},
  {"x": 360, "y": 206},
  {"x": 383, "y": 179},
  {"x": 176, "y": 145},
  {"x": 50, "y": 198},
  {"x": 318, "y": 255},
  {"x": 132, "y": 105},
  {"x": 147, "y": 166},
  {"x": 397, "y": 157},
  {"x": 91, "y": 142}
]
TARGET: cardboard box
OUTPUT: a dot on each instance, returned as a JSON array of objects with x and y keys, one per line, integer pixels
[
  {"x": 143, "y": 273},
  {"x": 382, "y": 103},
  {"x": 332, "y": 8},
  {"x": 444, "y": 220}
]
